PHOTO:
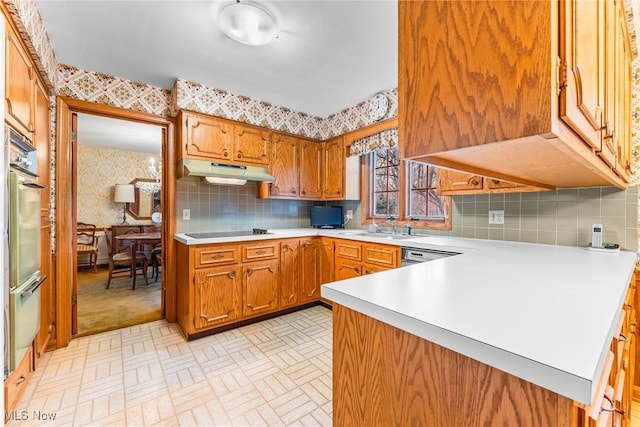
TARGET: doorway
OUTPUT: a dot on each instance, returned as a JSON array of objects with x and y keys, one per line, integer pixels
[
  {"x": 114, "y": 152},
  {"x": 66, "y": 207}
]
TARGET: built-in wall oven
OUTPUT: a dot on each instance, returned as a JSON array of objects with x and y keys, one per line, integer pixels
[{"x": 24, "y": 248}]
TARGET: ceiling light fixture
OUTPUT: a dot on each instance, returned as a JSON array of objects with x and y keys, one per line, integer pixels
[{"x": 248, "y": 24}]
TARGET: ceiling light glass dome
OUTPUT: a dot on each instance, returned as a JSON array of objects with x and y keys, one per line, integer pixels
[{"x": 248, "y": 24}]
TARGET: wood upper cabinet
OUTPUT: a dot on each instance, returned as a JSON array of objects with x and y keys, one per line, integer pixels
[
  {"x": 310, "y": 169},
  {"x": 285, "y": 165},
  {"x": 333, "y": 168},
  {"x": 206, "y": 137},
  {"x": 452, "y": 183},
  {"x": 520, "y": 100},
  {"x": 582, "y": 103},
  {"x": 260, "y": 287},
  {"x": 217, "y": 297},
  {"x": 19, "y": 85},
  {"x": 310, "y": 269},
  {"x": 289, "y": 272},
  {"x": 251, "y": 144}
]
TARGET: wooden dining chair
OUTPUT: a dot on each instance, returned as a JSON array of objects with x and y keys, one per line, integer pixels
[
  {"x": 122, "y": 258},
  {"x": 87, "y": 243}
]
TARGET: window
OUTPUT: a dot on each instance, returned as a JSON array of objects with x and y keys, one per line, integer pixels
[{"x": 406, "y": 191}]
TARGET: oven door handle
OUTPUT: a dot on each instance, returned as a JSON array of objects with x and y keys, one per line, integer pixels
[
  {"x": 32, "y": 289},
  {"x": 32, "y": 184}
]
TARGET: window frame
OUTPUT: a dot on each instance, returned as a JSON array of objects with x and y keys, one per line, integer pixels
[{"x": 366, "y": 176}]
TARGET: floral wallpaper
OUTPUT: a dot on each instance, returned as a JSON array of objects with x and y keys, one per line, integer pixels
[
  {"x": 218, "y": 102},
  {"x": 99, "y": 169},
  {"x": 29, "y": 22},
  {"x": 103, "y": 88}
]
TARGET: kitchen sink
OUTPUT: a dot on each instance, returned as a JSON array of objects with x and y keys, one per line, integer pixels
[{"x": 388, "y": 235}]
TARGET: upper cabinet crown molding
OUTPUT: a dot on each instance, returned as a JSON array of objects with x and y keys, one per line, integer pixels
[{"x": 492, "y": 88}]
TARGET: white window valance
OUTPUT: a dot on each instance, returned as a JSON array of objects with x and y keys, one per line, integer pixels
[{"x": 388, "y": 138}]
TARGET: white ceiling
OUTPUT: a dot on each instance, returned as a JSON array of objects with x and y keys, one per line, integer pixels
[
  {"x": 330, "y": 54},
  {"x": 118, "y": 134}
]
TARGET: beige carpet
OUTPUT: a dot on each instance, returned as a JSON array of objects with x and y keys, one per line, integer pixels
[{"x": 101, "y": 309}]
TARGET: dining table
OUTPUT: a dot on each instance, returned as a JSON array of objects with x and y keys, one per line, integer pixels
[{"x": 136, "y": 239}]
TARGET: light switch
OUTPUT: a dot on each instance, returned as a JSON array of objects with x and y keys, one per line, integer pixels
[{"x": 186, "y": 214}]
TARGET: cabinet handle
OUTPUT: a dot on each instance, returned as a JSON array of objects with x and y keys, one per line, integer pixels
[
  {"x": 304, "y": 192},
  {"x": 474, "y": 181},
  {"x": 306, "y": 244},
  {"x": 357, "y": 270},
  {"x": 260, "y": 252},
  {"x": 293, "y": 191},
  {"x": 232, "y": 274},
  {"x": 249, "y": 271},
  {"x": 20, "y": 380},
  {"x": 494, "y": 181},
  {"x": 368, "y": 272},
  {"x": 612, "y": 408},
  {"x": 239, "y": 154},
  {"x": 225, "y": 153},
  {"x": 622, "y": 338}
]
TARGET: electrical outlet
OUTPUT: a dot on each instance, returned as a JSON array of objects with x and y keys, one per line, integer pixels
[
  {"x": 186, "y": 214},
  {"x": 496, "y": 217},
  {"x": 349, "y": 214}
]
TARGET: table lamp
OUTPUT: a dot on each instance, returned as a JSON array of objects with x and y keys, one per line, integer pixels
[{"x": 124, "y": 193}]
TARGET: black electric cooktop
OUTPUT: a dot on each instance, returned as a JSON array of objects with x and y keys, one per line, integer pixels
[{"x": 214, "y": 234}]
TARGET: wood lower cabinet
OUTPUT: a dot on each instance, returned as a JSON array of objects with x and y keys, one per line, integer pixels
[
  {"x": 311, "y": 254},
  {"x": 259, "y": 287},
  {"x": 217, "y": 296},
  {"x": 219, "y": 285},
  {"x": 16, "y": 384},
  {"x": 290, "y": 279},
  {"x": 375, "y": 381}
]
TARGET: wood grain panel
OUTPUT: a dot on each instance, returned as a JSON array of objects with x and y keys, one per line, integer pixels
[
  {"x": 452, "y": 99},
  {"x": 251, "y": 144},
  {"x": 259, "y": 251},
  {"x": 260, "y": 287},
  {"x": 206, "y": 137},
  {"x": 217, "y": 296},
  {"x": 349, "y": 250},
  {"x": 208, "y": 256},
  {"x": 310, "y": 269},
  {"x": 333, "y": 168},
  {"x": 382, "y": 255},
  {"x": 310, "y": 169},
  {"x": 384, "y": 376},
  {"x": 289, "y": 279},
  {"x": 285, "y": 166}
]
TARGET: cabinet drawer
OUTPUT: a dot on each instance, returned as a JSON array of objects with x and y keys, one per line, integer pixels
[
  {"x": 348, "y": 250},
  {"x": 263, "y": 250},
  {"x": 217, "y": 255},
  {"x": 385, "y": 256},
  {"x": 17, "y": 382}
]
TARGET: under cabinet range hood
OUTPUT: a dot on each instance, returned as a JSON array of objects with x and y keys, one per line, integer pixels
[{"x": 220, "y": 173}]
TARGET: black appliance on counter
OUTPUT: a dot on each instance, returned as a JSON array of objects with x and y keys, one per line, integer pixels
[{"x": 216, "y": 234}]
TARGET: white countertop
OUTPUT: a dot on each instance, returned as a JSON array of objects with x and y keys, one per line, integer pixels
[{"x": 543, "y": 313}]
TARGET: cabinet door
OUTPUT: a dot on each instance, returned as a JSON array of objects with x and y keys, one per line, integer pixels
[
  {"x": 18, "y": 86},
  {"x": 495, "y": 184},
  {"x": 333, "y": 164},
  {"x": 289, "y": 272},
  {"x": 327, "y": 261},
  {"x": 251, "y": 145},
  {"x": 346, "y": 269},
  {"x": 284, "y": 166},
  {"x": 260, "y": 287},
  {"x": 208, "y": 137},
  {"x": 450, "y": 181},
  {"x": 310, "y": 262},
  {"x": 216, "y": 296},
  {"x": 582, "y": 101},
  {"x": 372, "y": 268},
  {"x": 621, "y": 138},
  {"x": 310, "y": 170}
]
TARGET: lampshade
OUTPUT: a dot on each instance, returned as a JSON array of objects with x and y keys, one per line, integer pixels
[
  {"x": 124, "y": 193},
  {"x": 248, "y": 24}
]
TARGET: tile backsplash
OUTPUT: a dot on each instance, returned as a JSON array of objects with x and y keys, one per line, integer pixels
[
  {"x": 561, "y": 217},
  {"x": 233, "y": 208}
]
